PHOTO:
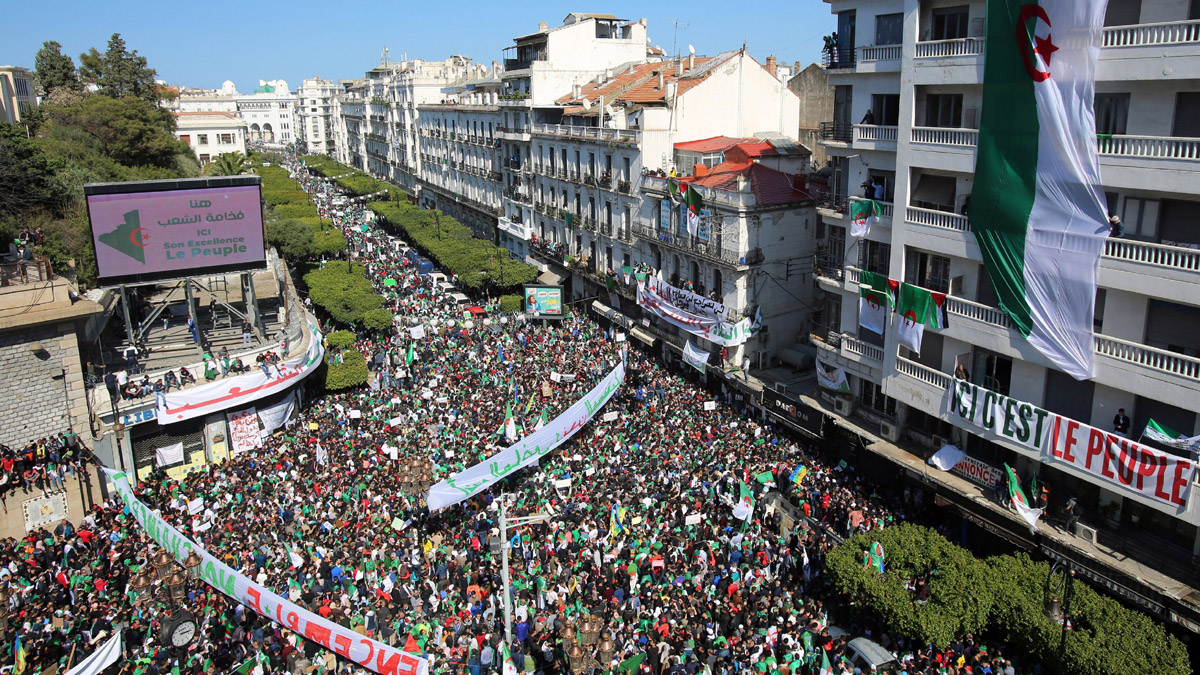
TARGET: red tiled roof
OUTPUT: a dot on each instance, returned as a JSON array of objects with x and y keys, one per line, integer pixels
[
  {"x": 759, "y": 149},
  {"x": 770, "y": 187},
  {"x": 714, "y": 144},
  {"x": 639, "y": 84}
]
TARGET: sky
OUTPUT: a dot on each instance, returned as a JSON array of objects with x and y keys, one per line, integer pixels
[{"x": 203, "y": 44}]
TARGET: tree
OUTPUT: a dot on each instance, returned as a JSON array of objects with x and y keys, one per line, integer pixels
[
  {"x": 294, "y": 239},
  {"x": 54, "y": 69},
  {"x": 351, "y": 372},
  {"x": 28, "y": 175},
  {"x": 228, "y": 164},
  {"x": 129, "y": 130},
  {"x": 378, "y": 319},
  {"x": 118, "y": 72}
]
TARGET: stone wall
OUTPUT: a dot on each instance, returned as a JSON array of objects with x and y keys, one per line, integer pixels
[
  {"x": 816, "y": 106},
  {"x": 33, "y": 398}
]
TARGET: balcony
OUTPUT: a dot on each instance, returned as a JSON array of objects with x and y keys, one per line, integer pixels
[
  {"x": 941, "y": 49},
  {"x": 874, "y": 137},
  {"x": 837, "y": 132},
  {"x": 852, "y": 345},
  {"x": 1140, "y": 52},
  {"x": 1152, "y": 34},
  {"x": 1159, "y": 163},
  {"x": 935, "y": 378},
  {"x": 516, "y": 100},
  {"x": 833, "y": 205},
  {"x": 948, "y": 148},
  {"x": 632, "y": 136},
  {"x": 709, "y": 249},
  {"x": 879, "y": 53},
  {"x": 521, "y": 231},
  {"x": 741, "y": 200},
  {"x": 939, "y": 62},
  {"x": 837, "y": 59},
  {"x": 886, "y": 209},
  {"x": 964, "y": 138}
]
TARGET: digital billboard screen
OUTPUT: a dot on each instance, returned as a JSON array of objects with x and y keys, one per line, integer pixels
[
  {"x": 149, "y": 230},
  {"x": 544, "y": 302}
]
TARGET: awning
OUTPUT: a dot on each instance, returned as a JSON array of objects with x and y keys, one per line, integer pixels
[
  {"x": 934, "y": 189},
  {"x": 550, "y": 278},
  {"x": 644, "y": 337},
  {"x": 604, "y": 310}
]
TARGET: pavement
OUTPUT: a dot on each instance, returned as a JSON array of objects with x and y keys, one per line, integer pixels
[{"x": 13, "y": 520}]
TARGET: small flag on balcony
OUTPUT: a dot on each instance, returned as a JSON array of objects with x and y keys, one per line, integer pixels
[
  {"x": 880, "y": 283},
  {"x": 863, "y": 214},
  {"x": 872, "y": 309},
  {"x": 693, "y": 203},
  {"x": 568, "y": 219},
  {"x": 915, "y": 309},
  {"x": 1160, "y": 433}
]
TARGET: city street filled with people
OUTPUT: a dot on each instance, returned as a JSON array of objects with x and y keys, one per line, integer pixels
[{"x": 643, "y": 530}]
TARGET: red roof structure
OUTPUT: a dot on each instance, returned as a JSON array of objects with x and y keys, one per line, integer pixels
[{"x": 770, "y": 187}]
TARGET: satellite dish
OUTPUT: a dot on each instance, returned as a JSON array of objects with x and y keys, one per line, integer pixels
[
  {"x": 608, "y": 110},
  {"x": 691, "y": 50},
  {"x": 587, "y": 105}
]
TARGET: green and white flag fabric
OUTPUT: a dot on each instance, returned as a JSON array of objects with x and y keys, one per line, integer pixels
[
  {"x": 1168, "y": 436},
  {"x": 692, "y": 203},
  {"x": 872, "y": 308},
  {"x": 1038, "y": 210},
  {"x": 410, "y": 356},
  {"x": 919, "y": 307},
  {"x": 510, "y": 668},
  {"x": 745, "y": 505},
  {"x": 694, "y": 357},
  {"x": 510, "y": 425},
  {"x": 1019, "y": 502},
  {"x": 863, "y": 214},
  {"x": 833, "y": 378}
]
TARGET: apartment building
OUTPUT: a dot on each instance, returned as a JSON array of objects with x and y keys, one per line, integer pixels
[
  {"x": 314, "y": 115},
  {"x": 18, "y": 93},
  {"x": 210, "y": 134},
  {"x": 907, "y": 77},
  {"x": 269, "y": 111}
]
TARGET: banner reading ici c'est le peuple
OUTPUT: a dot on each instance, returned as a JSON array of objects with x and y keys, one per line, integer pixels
[{"x": 1119, "y": 461}]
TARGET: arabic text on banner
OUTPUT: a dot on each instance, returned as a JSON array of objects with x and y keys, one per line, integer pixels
[
  {"x": 687, "y": 300},
  {"x": 368, "y": 653},
  {"x": 716, "y": 332},
  {"x": 470, "y": 482},
  {"x": 243, "y": 430}
]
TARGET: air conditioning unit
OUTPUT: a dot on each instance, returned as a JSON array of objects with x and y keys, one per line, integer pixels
[
  {"x": 843, "y": 407},
  {"x": 939, "y": 443},
  {"x": 889, "y": 431}
]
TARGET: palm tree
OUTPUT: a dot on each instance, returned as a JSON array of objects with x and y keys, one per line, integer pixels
[{"x": 228, "y": 164}]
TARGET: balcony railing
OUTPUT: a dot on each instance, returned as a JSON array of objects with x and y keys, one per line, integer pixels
[
  {"x": 879, "y": 53},
  {"x": 1149, "y": 357},
  {"x": 936, "y": 49},
  {"x": 708, "y": 249},
  {"x": 863, "y": 349},
  {"x": 978, "y": 312},
  {"x": 1149, "y": 147},
  {"x": 1149, "y": 34},
  {"x": 923, "y": 373},
  {"x": 836, "y": 131},
  {"x": 967, "y": 138},
  {"x": 886, "y": 209},
  {"x": 1162, "y": 255},
  {"x": 943, "y": 219},
  {"x": 589, "y": 133},
  {"x": 875, "y": 132},
  {"x": 838, "y": 58}
]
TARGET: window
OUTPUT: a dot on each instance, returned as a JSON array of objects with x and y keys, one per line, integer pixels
[
  {"x": 1187, "y": 115},
  {"x": 204, "y": 159},
  {"x": 186, "y": 138},
  {"x": 950, "y": 23},
  {"x": 1122, "y": 12},
  {"x": 873, "y": 256},
  {"x": 835, "y": 258},
  {"x": 943, "y": 110},
  {"x": 992, "y": 371},
  {"x": 1178, "y": 223},
  {"x": 927, "y": 270},
  {"x": 201, "y": 139},
  {"x": 1140, "y": 218},
  {"x": 886, "y": 109},
  {"x": 225, "y": 139},
  {"x": 889, "y": 29},
  {"x": 872, "y": 396},
  {"x": 1112, "y": 112}
]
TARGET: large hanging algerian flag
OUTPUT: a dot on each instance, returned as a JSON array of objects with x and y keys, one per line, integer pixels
[
  {"x": 1019, "y": 502},
  {"x": 863, "y": 214},
  {"x": 1168, "y": 436},
  {"x": 1037, "y": 210},
  {"x": 695, "y": 358},
  {"x": 692, "y": 203}
]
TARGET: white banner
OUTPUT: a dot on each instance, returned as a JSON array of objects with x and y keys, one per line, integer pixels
[
  {"x": 693, "y": 519},
  {"x": 239, "y": 390},
  {"x": 710, "y": 405},
  {"x": 946, "y": 458},
  {"x": 368, "y": 653},
  {"x": 417, "y": 332},
  {"x": 695, "y": 358},
  {"x": 610, "y": 416},
  {"x": 243, "y": 431},
  {"x": 528, "y": 450},
  {"x": 555, "y": 376},
  {"x": 687, "y": 300},
  {"x": 275, "y": 416},
  {"x": 42, "y": 511},
  {"x": 832, "y": 377},
  {"x": 97, "y": 661},
  {"x": 172, "y": 454},
  {"x": 716, "y": 332}
]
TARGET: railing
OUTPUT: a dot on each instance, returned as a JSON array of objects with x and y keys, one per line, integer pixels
[
  {"x": 886, "y": 209},
  {"x": 1149, "y": 147},
  {"x": 832, "y": 201},
  {"x": 1175, "y": 257},
  {"x": 25, "y": 271},
  {"x": 976, "y": 311},
  {"x": 836, "y": 131},
  {"x": 854, "y": 275},
  {"x": 923, "y": 373},
  {"x": 593, "y": 133},
  {"x": 1147, "y": 34},
  {"x": 935, "y": 49},
  {"x": 689, "y": 244},
  {"x": 943, "y": 219},
  {"x": 879, "y": 53},
  {"x": 838, "y": 58},
  {"x": 863, "y": 349},
  {"x": 874, "y": 132},
  {"x": 1149, "y": 357},
  {"x": 710, "y": 195},
  {"x": 945, "y": 136},
  {"x": 823, "y": 335}
]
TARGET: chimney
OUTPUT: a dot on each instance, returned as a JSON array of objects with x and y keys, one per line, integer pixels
[
  {"x": 796, "y": 68},
  {"x": 669, "y": 94},
  {"x": 679, "y": 68},
  {"x": 771, "y": 65},
  {"x": 576, "y": 91},
  {"x": 660, "y": 79},
  {"x": 608, "y": 74},
  {"x": 543, "y": 26},
  {"x": 691, "y": 60},
  {"x": 642, "y": 21}
]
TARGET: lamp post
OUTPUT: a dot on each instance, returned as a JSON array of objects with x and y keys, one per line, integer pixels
[
  {"x": 118, "y": 431},
  {"x": 1055, "y": 589},
  {"x": 505, "y": 523}
]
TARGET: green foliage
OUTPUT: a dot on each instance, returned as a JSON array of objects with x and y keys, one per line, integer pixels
[
  {"x": 55, "y": 69},
  {"x": 287, "y": 201},
  {"x": 28, "y": 174},
  {"x": 378, "y": 319},
  {"x": 118, "y": 72},
  {"x": 340, "y": 339},
  {"x": 129, "y": 131},
  {"x": 511, "y": 304},
  {"x": 351, "y": 372},
  {"x": 292, "y": 238},
  {"x": 959, "y": 598},
  {"x": 345, "y": 295},
  {"x": 228, "y": 164}
]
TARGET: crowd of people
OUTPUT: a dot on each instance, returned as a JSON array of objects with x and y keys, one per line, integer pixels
[{"x": 652, "y": 536}]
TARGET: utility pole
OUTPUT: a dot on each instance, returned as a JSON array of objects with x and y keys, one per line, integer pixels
[{"x": 505, "y": 521}]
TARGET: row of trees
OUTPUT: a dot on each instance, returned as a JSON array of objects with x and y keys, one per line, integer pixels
[
  {"x": 1002, "y": 596},
  {"x": 294, "y": 226}
]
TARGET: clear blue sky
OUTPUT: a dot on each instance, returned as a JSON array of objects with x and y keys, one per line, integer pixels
[{"x": 202, "y": 44}]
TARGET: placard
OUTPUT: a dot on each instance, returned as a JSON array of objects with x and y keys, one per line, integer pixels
[
  {"x": 43, "y": 511},
  {"x": 610, "y": 416},
  {"x": 710, "y": 405},
  {"x": 196, "y": 505},
  {"x": 555, "y": 376},
  {"x": 170, "y": 455},
  {"x": 562, "y": 484},
  {"x": 693, "y": 519},
  {"x": 243, "y": 430},
  {"x": 355, "y": 414}
]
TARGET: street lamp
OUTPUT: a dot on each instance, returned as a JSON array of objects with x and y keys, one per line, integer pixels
[
  {"x": 192, "y": 564},
  {"x": 142, "y": 585},
  {"x": 1055, "y": 588},
  {"x": 607, "y": 647},
  {"x": 118, "y": 431},
  {"x": 177, "y": 586},
  {"x": 163, "y": 564}
]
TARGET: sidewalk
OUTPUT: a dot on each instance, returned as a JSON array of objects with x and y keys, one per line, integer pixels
[{"x": 12, "y": 522}]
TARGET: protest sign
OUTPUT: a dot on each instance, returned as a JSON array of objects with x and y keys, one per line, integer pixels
[
  {"x": 172, "y": 454},
  {"x": 710, "y": 405},
  {"x": 243, "y": 430}
]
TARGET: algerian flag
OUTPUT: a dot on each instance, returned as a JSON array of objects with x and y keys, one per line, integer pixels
[
  {"x": 872, "y": 309},
  {"x": 675, "y": 189},
  {"x": 863, "y": 214},
  {"x": 510, "y": 425},
  {"x": 1168, "y": 436},
  {"x": 510, "y": 668},
  {"x": 692, "y": 204},
  {"x": 832, "y": 377},
  {"x": 410, "y": 356},
  {"x": 1038, "y": 210},
  {"x": 296, "y": 559},
  {"x": 695, "y": 358},
  {"x": 626, "y": 270},
  {"x": 632, "y": 664},
  {"x": 1019, "y": 502},
  {"x": 915, "y": 309},
  {"x": 541, "y": 421},
  {"x": 826, "y": 667},
  {"x": 745, "y": 506}
]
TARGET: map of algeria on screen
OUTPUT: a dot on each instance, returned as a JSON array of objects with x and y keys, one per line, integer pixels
[{"x": 156, "y": 233}]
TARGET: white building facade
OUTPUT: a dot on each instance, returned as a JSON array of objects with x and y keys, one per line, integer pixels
[
  {"x": 18, "y": 93},
  {"x": 908, "y": 91},
  {"x": 211, "y": 133},
  {"x": 314, "y": 115}
]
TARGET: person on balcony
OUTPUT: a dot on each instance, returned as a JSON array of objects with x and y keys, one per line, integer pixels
[{"x": 869, "y": 118}]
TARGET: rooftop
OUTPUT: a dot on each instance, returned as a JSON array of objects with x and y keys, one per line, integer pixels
[
  {"x": 639, "y": 83},
  {"x": 714, "y": 144},
  {"x": 770, "y": 187}
]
